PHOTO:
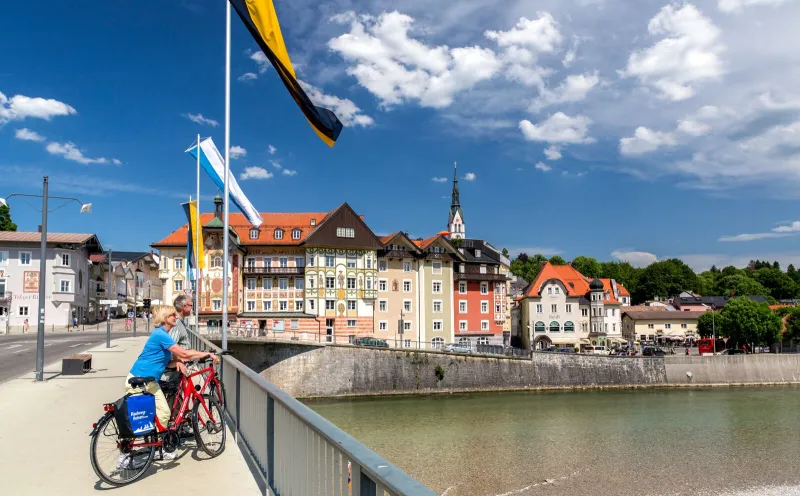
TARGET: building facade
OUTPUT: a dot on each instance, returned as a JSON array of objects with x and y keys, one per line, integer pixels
[{"x": 657, "y": 327}]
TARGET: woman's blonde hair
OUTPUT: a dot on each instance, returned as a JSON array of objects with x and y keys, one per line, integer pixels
[{"x": 160, "y": 314}]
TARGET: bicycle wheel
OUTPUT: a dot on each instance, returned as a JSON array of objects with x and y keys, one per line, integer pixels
[
  {"x": 221, "y": 390},
  {"x": 115, "y": 460},
  {"x": 209, "y": 426}
]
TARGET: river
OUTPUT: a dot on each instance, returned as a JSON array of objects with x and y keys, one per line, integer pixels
[{"x": 624, "y": 442}]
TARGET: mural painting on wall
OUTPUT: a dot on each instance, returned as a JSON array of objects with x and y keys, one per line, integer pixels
[
  {"x": 341, "y": 309},
  {"x": 395, "y": 285},
  {"x": 341, "y": 279},
  {"x": 30, "y": 281}
]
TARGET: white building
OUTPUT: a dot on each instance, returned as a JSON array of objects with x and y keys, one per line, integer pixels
[{"x": 67, "y": 278}]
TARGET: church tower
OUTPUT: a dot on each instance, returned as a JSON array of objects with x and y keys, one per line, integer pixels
[{"x": 455, "y": 222}]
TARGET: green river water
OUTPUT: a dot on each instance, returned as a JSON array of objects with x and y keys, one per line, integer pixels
[{"x": 622, "y": 442}]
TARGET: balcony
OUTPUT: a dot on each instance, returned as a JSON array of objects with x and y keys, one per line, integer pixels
[
  {"x": 273, "y": 271},
  {"x": 475, "y": 274}
]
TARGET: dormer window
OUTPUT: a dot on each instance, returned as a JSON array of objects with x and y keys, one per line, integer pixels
[
  {"x": 295, "y": 233},
  {"x": 313, "y": 222},
  {"x": 254, "y": 233},
  {"x": 279, "y": 233},
  {"x": 477, "y": 254}
]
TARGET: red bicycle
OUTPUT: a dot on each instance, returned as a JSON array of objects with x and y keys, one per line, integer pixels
[{"x": 119, "y": 460}]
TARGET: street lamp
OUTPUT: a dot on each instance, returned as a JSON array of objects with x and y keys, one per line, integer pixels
[{"x": 85, "y": 208}]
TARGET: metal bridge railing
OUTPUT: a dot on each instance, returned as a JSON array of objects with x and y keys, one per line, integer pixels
[{"x": 295, "y": 449}]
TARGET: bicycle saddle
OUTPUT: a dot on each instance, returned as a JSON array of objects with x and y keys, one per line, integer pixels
[{"x": 140, "y": 381}]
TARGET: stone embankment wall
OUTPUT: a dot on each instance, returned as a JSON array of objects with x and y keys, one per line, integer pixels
[{"x": 765, "y": 368}]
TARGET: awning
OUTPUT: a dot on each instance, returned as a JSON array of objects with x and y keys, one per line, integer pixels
[
  {"x": 585, "y": 341},
  {"x": 559, "y": 339}
]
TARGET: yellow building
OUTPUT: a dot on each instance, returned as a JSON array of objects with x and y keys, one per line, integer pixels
[{"x": 655, "y": 326}]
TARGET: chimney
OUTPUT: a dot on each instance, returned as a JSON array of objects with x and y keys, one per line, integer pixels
[{"x": 39, "y": 229}]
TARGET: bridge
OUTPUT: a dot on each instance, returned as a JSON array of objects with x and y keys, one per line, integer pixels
[{"x": 276, "y": 445}]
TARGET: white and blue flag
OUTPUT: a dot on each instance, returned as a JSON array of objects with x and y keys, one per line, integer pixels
[{"x": 214, "y": 165}]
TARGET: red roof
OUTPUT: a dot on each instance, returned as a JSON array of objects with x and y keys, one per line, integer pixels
[
  {"x": 30, "y": 237},
  {"x": 386, "y": 239},
  {"x": 576, "y": 283},
  {"x": 266, "y": 232}
]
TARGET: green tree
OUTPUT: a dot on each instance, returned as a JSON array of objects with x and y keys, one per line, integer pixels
[
  {"x": 780, "y": 285},
  {"x": 557, "y": 260},
  {"x": 793, "y": 273},
  {"x": 587, "y": 266},
  {"x": 622, "y": 272},
  {"x": 707, "y": 283},
  {"x": 741, "y": 285},
  {"x": 527, "y": 267},
  {"x": 746, "y": 321},
  {"x": 505, "y": 252},
  {"x": 5, "y": 219},
  {"x": 709, "y": 324},
  {"x": 730, "y": 270},
  {"x": 792, "y": 324},
  {"x": 665, "y": 278}
]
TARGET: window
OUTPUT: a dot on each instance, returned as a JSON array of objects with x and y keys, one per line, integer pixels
[
  {"x": 298, "y": 305},
  {"x": 650, "y": 326},
  {"x": 64, "y": 259},
  {"x": 406, "y": 326},
  {"x": 251, "y": 306},
  {"x": 216, "y": 262},
  {"x": 267, "y": 262},
  {"x": 283, "y": 306},
  {"x": 437, "y": 343},
  {"x": 254, "y": 233},
  {"x": 23, "y": 311},
  {"x": 558, "y": 290},
  {"x": 549, "y": 290},
  {"x": 497, "y": 308},
  {"x": 311, "y": 260},
  {"x": 539, "y": 308},
  {"x": 351, "y": 322},
  {"x": 484, "y": 307},
  {"x": 462, "y": 325},
  {"x": 407, "y": 286},
  {"x": 250, "y": 263},
  {"x": 3, "y": 258},
  {"x": 345, "y": 232},
  {"x": 283, "y": 262},
  {"x": 477, "y": 254},
  {"x": 351, "y": 304},
  {"x": 266, "y": 305},
  {"x": 330, "y": 261},
  {"x": 299, "y": 283},
  {"x": 584, "y": 312},
  {"x": 179, "y": 285},
  {"x": 483, "y": 340},
  {"x": 684, "y": 326},
  {"x": 437, "y": 325},
  {"x": 605, "y": 328},
  {"x": 555, "y": 326},
  {"x": 407, "y": 266},
  {"x": 178, "y": 264},
  {"x": 295, "y": 233},
  {"x": 216, "y": 305},
  {"x": 539, "y": 327},
  {"x": 613, "y": 312},
  {"x": 667, "y": 326},
  {"x": 368, "y": 261},
  {"x": 330, "y": 304},
  {"x": 569, "y": 308},
  {"x": 278, "y": 234},
  {"x": 298, "y": 261},
  {"x": 311, "y": 282},
  {"x": 251, "y": 284},
  {"x": 369, "y": 282},
  {"x": 283, "y": 284},
  {"x": 554, "y": 308},
  {"x": 382, "y": 285},
  {"x": 437, "y": 267},
  {"x": 569, "y": 326},
  {"x": 351, "y": 261},
  {"x": 483, "y": 269},
  {"x": 330, "y": 282},
  {"x": 266, "y": 283},
  {"x": 311, "y": 305},
  {"x": 383, "y": 325},
  {"x": 613, "y": 328},
  {"x": 437, "y": 306},
  {"x": 484, "y": 288},
  {"x": 65, "y": 286},
  {"x": 381, "y": 265},
  {"x": 462, "y": 307},
  {"x": 294, "y": 324},
  {"x": 484, "y": 325},
  {"x": 462, "y": 287},
  {"x": 406, "y": 305},
  {"x": 382, "y": 304},
  {"x": 437, "y": 287},
  {"x": 351, "y": 283}
]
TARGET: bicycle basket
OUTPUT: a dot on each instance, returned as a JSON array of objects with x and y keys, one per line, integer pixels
[{"x": 135, "y": 415}]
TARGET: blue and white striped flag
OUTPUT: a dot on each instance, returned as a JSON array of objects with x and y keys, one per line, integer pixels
[{"x": 214, "y": 165}]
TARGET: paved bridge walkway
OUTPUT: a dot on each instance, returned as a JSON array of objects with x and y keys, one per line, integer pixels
[{"x": 44, "y": 439}]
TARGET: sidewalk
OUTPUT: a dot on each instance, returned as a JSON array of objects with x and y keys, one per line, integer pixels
[
  {"x": 117, "y": 325},
  {"x": 44, "y": 442}
]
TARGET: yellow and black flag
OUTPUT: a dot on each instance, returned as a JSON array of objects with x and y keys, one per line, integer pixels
[{"x": 261, "y": 20}]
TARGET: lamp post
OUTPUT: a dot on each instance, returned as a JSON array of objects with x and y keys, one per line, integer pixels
[{"x": 85, "y": 208}]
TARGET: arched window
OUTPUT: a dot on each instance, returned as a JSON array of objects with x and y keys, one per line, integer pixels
[
  {"x": 464, "y": 341},
  {"x": 540, "y": 327},
  {"x": 569, "y": 326},
  {"x": 483, "y": 340},
  {"x": 555, "y": 326},
  {"x": 216, "y": 262},
  {"x": 437, "y": 343}
]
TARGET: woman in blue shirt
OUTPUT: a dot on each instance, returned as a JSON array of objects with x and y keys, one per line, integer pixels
[{"x": 159, "y": 352}]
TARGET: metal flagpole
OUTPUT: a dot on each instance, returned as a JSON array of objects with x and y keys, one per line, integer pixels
[
  {"x": 187, "y": 262},
  {"x": 226, "y": 195},
  {"x": 199, "y": 239}
]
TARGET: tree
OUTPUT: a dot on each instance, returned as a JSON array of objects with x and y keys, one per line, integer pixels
[
  {"x": 741, "y": 285},
  {"x": 505, "y": 252},
  {"x": 707, "y": 283},
  {"x": 714, "y": 269},
  {"x": 587, "y": 266},
  {"x": 665, "y": 278},
  {"x": 793, "y": 273},
  {"x": 776, "y": 265},
  {"x": 709, "y": 324},
  {"x": 527, "y": 267},
  {"x": 792, "y": 320},
  {"x": 5, "y": 219},
  {"x": 624, "y": 273},
  {"x": 746, "y": 321},
  {"x": 557, "y": 260},
  {"x": 780, "y": 285}
]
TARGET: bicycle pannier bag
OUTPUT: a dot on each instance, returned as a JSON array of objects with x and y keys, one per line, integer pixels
[{"x": 135, "y": 415}]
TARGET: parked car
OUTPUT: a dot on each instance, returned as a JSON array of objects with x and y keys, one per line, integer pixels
[
  {"x": 733, "y": 352},
  {"x": 457, "y": 348},
  {"x": 595, "y": 350},
  {"x": 566, "y": 350},
  {"x": 653, "y": 352},
  {"x": 379, "y": 343}
]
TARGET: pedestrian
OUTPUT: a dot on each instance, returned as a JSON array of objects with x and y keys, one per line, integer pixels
[
  {"x": 25, "y": 326},
  {"x": 687, "y": 351},
  {"x": 75, "y": 322},
  {"x": 128, "y": 324}
]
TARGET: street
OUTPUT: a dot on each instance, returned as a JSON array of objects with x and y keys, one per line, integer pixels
[{"x": 18, "y": 351}]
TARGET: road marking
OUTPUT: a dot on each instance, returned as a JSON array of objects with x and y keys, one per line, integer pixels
[
  {"x": 20, "y": 351},
  {"x": 48, "y": 344},
  {"x": 74, "y": 345},
  {"x": 13, "y": 346}
]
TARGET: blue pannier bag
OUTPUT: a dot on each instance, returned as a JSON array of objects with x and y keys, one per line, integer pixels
[{"x": 135, "y": 415}]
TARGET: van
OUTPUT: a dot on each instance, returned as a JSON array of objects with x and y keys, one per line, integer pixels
[{"x": 595, "y": 350}]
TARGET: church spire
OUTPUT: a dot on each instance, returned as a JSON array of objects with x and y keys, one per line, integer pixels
[
  {"x": 455, "y": 221},
  {"x": 456, "y": 203}
]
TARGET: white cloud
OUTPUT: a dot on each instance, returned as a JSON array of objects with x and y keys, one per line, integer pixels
[
  {"x": 539, "y": 34},
  {"x": 28, "y": 135},
  {"x": 261, "y": 60},
  {"x": 573, "y": 89},
  {"x": 789, "y": 229},
  {"x": 439, "y": 179},
  {"x": 645, "y": 140},
  {"x": 247, "y": 76},
  {"x": 20, "y": 107},
  {"x": 543, "y": 167},
  {"x": 237, "y": 152},
  {"x": 345, "y": 109},
  {"x": 272, "y": 149},
  {"x": 276, "y": 164},
  {"x": 289, "y": 172},
  {"x": 255, "y": 173},
  {"x": 738, "y": 5},
  {"x": 635, "y": 258},
  {"x": 558, "y": 128},
  {"x": 70, "y": 152},
  {"x": 116, "y": 161},
  {"x": 470, "y": 176},
  {"x": 688, "y": 53},
  {"x": 552, "y": 152},
  {"x": 199, "y": 119},
  {"x": 701, "y": 262}
]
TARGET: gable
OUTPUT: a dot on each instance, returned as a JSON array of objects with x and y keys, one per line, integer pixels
[{"x": 343, "y": 228}]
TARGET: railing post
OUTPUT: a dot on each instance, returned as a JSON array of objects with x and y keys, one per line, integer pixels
[
  {"x": 238, "y": 402},
  {"x": 270, "y": 465}
]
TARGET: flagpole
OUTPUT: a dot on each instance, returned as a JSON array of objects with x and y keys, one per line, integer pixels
[
  {"x": 226, "y": 196},
  {"x": 199, "y": 239},
  {"x": 188, "y": 261}
]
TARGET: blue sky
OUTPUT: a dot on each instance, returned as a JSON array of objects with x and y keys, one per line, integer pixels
[{"x": 588, "y": 129}]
